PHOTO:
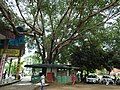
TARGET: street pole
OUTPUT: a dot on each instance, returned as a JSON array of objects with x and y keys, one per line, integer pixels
[
  {"x": 18, "y": 68},
  {"x": 6, "y": 43}
]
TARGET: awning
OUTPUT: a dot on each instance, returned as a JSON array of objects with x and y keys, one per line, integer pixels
[
  {"x": 47, "y": 66},
  {"x": 51, "y": 66}
]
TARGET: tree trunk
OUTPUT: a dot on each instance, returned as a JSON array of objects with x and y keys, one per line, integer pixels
[{"x": 44, "y": 71}]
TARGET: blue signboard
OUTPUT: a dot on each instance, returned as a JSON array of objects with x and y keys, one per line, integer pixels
[
  {"x": 17, "y": 41},
  {"x": 14, "y": 42}
]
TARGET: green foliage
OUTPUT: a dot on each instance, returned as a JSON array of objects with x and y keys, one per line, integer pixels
[
  {"x": 6, "y": 67},
  {"x": 14, "y": 68},
  {"x": 64, "y": 56},
  {"x": 57, "y": 23},
  {"x": 35, "y": 59},
  {"x": 98, "y": 50}
]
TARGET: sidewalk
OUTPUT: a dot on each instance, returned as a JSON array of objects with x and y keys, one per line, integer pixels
[
  {"x": 24, "y": 81},
  {"x": 8, "y": 81}
]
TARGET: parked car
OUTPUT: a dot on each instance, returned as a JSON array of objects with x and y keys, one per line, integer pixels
[
  {"x": 92, "y": 78},
  {"x": 118, "y": 81},
  {"x": 106, "y": 79}
]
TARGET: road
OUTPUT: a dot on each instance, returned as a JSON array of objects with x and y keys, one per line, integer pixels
[
  {"x": 24, "y": 84},
  {"x": 83, "y": 87}
]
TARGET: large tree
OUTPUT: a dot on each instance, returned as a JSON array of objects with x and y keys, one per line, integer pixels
[
  {"x": 53, "y": 24},
  {"x": 99, "y": 50}
]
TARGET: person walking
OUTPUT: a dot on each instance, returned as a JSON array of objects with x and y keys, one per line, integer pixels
[
  {"x": 73, "y": 79},
  {"x": 42, "y": 82},
  {"x": 5, "y": 74},
  {"x": 78, "y": 76},
  {"x": 115, "y": 79}
]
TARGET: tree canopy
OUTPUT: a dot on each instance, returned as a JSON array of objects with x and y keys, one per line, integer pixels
[
  {"x": 100, "y": 50},
  {"x": 53, "y": 24}
]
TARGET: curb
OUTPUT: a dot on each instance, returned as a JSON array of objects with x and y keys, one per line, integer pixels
[{"x": 15, "y": 81}]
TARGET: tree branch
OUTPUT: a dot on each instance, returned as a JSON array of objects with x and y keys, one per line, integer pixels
[
  {"x": 68, "y": 22},
  {"x": 43, "y": 29},
  {"x": 80, "y": 23},
  {"x": 8, "y": 17},
  {"x": 95, "y": 13},
  {"x": 31, "y": 26},
  {"x": 39, "y": 50},
  {"x": 63, "y": 18},
  {"x": 38, "y": 9},
  {"x": 52, "y": 39}
]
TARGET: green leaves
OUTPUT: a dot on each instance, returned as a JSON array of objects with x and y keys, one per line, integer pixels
[{"x": 57, "y": 23}]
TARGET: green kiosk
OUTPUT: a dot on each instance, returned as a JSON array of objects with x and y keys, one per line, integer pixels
[{"x": 54, "y": 72}]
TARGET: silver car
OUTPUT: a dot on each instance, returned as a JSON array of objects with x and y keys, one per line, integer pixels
[
  {"x": 92, "y": 78},
  {"x": 107, "y": 79}
]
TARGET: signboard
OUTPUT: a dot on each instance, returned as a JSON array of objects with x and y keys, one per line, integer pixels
[
  {"x": 2, "y": 66},
  {"x": 11, "y": 52},
  {"x": 14, "y": 42},
  {"x": 21, "y": 49}
]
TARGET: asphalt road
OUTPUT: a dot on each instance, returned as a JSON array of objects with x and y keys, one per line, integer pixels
[{"x": 25, "y": 84}]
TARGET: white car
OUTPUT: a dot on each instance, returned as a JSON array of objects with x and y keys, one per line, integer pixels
[
  {"x": 92, "y": 78},
  {"x": 107, "y": 79}
]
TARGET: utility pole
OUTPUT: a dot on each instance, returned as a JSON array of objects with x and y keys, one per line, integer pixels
[{"x": 3, "y": 58}]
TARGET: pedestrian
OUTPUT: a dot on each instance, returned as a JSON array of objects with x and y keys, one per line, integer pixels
[
  {"x": 78, "y": 76},
  {"x": 22, "y": 73},
  {"x": 5, "y": 74},
  {"x": 115, "y": 79},
  {"x": 73, "y": 79},
  {"x": 42, "y": 82}
]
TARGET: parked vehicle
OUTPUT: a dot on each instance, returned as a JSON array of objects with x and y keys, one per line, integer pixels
[
  {"x": 92, "y": 78},
  {"x": 106, "y": 79},
  {"x": 118, "y": 81}
]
